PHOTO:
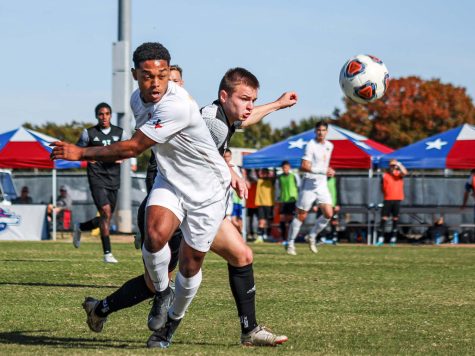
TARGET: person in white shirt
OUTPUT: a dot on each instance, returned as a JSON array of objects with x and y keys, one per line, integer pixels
[
  {"x": 316, "y": 165},
  {"x": 190, "y": 187}
]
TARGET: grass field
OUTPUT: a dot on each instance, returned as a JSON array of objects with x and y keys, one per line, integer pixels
[{"x": 344, "y": 300}]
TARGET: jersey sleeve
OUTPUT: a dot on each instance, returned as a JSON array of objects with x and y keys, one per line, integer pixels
[
  {"x": 167, "y": 122},
  {"x": 83, "y": 140},
  {"x": 307, "y": 155}
]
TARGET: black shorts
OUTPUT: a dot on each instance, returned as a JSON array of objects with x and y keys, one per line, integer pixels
[
  {"x": 103, "y": 196},
  {"x": 391, "y": 208},
  {"x": 287, "y": 208},
  {"x": 265, "y": 212},
  {"x": 251, "y": 212}
]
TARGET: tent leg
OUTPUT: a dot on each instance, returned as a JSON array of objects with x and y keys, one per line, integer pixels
[{"x": 54, "y": 204}]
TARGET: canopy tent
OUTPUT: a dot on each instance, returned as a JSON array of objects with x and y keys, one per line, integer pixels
[
  {"x": 351, "y": 150},
  {"x": 452, "y": 149},
  {"x": 23, "y": 148}
]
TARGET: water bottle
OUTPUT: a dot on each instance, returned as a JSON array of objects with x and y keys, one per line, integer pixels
[{"x": 455, "y": 240}]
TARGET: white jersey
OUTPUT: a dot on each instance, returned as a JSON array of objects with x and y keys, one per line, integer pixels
[
  {"x": 186, "y": 154},
  {"x": 318, "y": 154}
]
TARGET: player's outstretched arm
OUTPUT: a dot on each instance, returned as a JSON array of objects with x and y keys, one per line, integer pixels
[
  {"x": 286, "y": 100},
  {"x": 117, "y": 151}
]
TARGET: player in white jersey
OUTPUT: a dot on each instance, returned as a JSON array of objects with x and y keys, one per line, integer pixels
[
  {"x": 316, "y": 165},
  {"x": 191, "y": 183}
]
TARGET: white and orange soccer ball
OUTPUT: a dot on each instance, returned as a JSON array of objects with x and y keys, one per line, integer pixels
[{"x": 364, "y": 78}]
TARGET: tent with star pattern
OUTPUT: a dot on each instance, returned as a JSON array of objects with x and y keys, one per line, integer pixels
[
  {"x": 453, "y": 149},
  {"x": 351, "y": 150}
]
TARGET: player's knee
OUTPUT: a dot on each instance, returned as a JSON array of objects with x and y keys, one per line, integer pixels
[
  {"x": 155, "y": 239},
  {"x": 241, "y": 257}
]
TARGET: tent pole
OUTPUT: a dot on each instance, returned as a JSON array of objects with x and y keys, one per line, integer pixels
[
  {"x": 54, "y": 204},
  {"x": 368, "y": 234}
]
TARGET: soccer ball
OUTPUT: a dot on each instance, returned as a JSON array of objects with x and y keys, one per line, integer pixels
[{"x": 364, "y": 78}]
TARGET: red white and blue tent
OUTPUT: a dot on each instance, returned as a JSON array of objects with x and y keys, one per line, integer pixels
[
  {"x": 453, "y": 149},
  {"x": 23, "y": 148},
  {"x": 351, "y": 150}
]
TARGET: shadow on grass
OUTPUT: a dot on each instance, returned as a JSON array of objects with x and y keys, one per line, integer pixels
[
  {"x": 67, "y": 285},
  {"x": 25, "y": 338}
]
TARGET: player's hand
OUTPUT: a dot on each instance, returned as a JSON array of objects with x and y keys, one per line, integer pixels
[
  {"x": 66, "y": 151},
  {"x": 330, "y": 172},
  {"x": 287, "y": 99},
  {"x": 240, "y": 186}
]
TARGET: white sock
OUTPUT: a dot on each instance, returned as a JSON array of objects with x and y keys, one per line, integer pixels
[
  {"x": 185, "y": 291},
  {"x": 294, "y": 229},
  {"x": 157, "y": 266},
  {"x": 320, "y": 224}
]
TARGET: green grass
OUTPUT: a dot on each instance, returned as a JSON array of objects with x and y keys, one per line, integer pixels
[{"x": 344, "y": 300}]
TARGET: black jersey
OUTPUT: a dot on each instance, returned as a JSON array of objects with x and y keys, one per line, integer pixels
[
  {"x": 218, "y": 124},
  {"x": 104, "y": 174}
]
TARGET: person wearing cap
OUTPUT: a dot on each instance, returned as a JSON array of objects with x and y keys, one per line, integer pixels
[
  {"x": 63, "y": 202},
  {"x": 24, "y": 197},
  {"x": 393, "y": 192}
]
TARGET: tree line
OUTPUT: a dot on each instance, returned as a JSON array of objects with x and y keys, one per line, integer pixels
[{"x": 411, "y": 110}]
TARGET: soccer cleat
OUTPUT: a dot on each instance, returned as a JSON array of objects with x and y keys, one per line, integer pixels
[
  {"x": 76, "y": 236},
  {"x": 380, "y": 241},
  {"x": 392, "y": 242},
  {"x": 158, "y": 314},
  {"x": 291, "y": 250},
  {"x": 162, "y": 337},
  {"x": 259, "y": 239},
  {"x": 262, "y": 336},
  {"x": 109, "y": 258},
  {"x": 312, "y": 244},
  {"x": 95, "y": 323}
]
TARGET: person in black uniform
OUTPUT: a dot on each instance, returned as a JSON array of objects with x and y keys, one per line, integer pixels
[
  {"x": 103, "y": 177},
  {"x": 234, "y": 109}
]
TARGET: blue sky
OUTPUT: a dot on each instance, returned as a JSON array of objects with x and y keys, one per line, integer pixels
[{"x": 57, "y": 55}]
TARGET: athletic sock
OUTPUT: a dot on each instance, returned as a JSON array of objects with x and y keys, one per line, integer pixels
[
  {"x": 132, "y": 292},
  {"x": 157, "y": 266},
  {"x": 106, "y": 244},
  {"x": 320, "y": 224},
  {"x": 185, "y": 291},
  {"x": 241, "y": 280},
  {"x": 282, "y": 226},
  {"x": 90, "y": 224},
  {"x": 294, "y": 229}
]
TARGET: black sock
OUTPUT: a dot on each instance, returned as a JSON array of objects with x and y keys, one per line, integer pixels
[
  {"x": 106, "y": 244},
  {"x": 282, "y": 225},
  {"x": 241, "y": 280},
  {"x": 89, "y": 225},
  {"x": 132, "y": 292}
]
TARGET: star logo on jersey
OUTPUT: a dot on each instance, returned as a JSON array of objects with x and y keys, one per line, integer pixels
[
  {"x": 158, "y": 124},
  {"x": 297, "y": 144},
  {"x": 437, "y": 144}
]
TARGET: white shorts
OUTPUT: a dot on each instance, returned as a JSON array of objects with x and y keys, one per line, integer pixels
[
  {"x": 199, "y": 225},
  {"x": 313, "y": 191}
]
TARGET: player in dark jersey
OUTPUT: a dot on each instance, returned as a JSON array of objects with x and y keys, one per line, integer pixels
[
  {"x": 103, "y": 177},
  {"x": 234, "y": 109}
]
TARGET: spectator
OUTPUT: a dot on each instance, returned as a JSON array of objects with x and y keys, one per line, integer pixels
[
  {"x": 264, "y": 203},
  {"x": 24, "y": 197},
  {"x": 439, "y": 232},
  {"x": 287, "y": 188},
  {"x": 251, "y": 207},
  {"x": 63, "y": 203},
  {"x": 234, "y": 203},
  {"x": 393, "y": 191},
  {"x": 469, "y": 190}
]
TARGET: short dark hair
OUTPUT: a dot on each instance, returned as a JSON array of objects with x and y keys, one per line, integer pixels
[
  {"x": 176, "y": 67},
  {"x": 285, "y": 163},
  {"x": 321, "y": 123},
  {"x": 227, "y": 150},
  {"x": 149, "y": 51},
  {"x": 235, "y": 76},
  {"x": 100, "y": 106}
]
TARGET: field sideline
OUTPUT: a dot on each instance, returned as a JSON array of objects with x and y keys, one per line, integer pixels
[{"x": 345, "y": 300}]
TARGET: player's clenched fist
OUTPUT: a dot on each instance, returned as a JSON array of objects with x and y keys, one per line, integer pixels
[{"x": 66, "y": 151}]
